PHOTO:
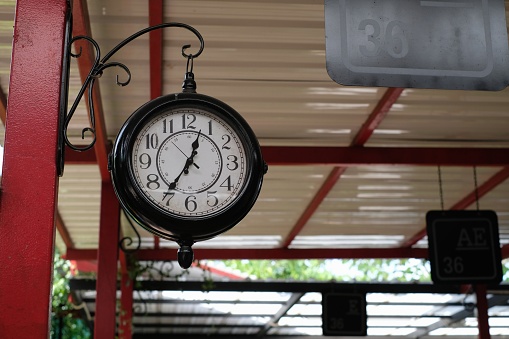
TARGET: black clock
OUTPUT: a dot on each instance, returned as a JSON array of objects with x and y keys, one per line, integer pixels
[{"x": 187, "y": 167}]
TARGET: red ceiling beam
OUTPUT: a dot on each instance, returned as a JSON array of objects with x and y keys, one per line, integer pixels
[
  {"x": 355, "y": 156},
  {"x": 81, "y": 26},
  {"x": 268, "y": 253},
  {"x": 374, "y": 119},
  {"x": 468, "y": 200},
  {"x": 155, "y": 17},
  {"x": 314, "y": 204}
]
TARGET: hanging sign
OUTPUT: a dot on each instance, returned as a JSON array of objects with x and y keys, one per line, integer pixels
[
  {"x": 447, "y": 44},
  {"x": 344, "y": 314},
  {"x": 464, "y": 247}
]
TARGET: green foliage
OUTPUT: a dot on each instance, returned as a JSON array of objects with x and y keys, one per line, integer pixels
[
  {"x": 505, "y": 270},
  {"x": 282, "y": 269},
  {"x": 368, "y": 270},
  {"x": 339, "y": 270},
  {"x": 383, "y": 270},
  {"x": 64, "y": 323}
]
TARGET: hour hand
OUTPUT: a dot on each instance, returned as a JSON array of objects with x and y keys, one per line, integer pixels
[{"x": 194, "y": 164}]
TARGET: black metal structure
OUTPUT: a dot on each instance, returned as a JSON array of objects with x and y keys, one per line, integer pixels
[
  {"x": 100, "y": 64},
  {"x": 279, "y": 309}
]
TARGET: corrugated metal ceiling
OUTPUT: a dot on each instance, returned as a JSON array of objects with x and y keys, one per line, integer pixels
[{"x": 267, "y": 60}]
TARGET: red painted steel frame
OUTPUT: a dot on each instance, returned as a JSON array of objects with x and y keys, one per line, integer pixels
[
  {"x": 379, "y": 112},
  {"x": 125, "y": 327},
  {"x": 30, "y": 182},
  {"x": 268, "y": 253},
  {"x": 482, "y": 312},
  {"x": 107, "y": 257},
  {"x": 3, "y": 105},
  {"x": 468, "y": 200},
  {"x": 357, "y": 156},
  {"x": 64, "y": 233},
  {"x": 324, "y": 190},
  {"x": 155, "y": 17}
]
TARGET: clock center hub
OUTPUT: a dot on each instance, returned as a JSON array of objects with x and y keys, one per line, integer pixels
[{"x": 198, "y": 171}]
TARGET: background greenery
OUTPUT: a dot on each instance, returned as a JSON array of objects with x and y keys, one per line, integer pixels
[
  {"x": 64, "y": 321},
  {"x": 66, "y": 325}
]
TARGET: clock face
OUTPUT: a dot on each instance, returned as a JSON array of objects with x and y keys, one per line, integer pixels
[
  {"x": 186, "y": 167},
  {"x": 189, "y": 162}
]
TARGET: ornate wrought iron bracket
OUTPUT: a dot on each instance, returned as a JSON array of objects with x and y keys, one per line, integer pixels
[
  {"x": 96, "y": 71},
  {"x": 127, "y": 241}
]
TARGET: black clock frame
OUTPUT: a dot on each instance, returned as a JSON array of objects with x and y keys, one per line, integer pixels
[{"x": 184, "y": 230}]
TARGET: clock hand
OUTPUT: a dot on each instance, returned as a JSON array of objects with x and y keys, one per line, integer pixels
[
  {"x": 185, "y": 170},
  {"x": 189, "y": 162},
  {"x": 195, "y": 165},
  {"x": 195, "y": 144}
]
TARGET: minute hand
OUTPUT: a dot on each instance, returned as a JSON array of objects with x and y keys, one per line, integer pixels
[
  {"x": 189, "y": 161},
  {"x": 173, "y": 185},
  {"x": 195, "y": 144}
]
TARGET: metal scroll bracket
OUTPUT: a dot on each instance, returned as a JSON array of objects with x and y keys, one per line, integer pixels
[{"x": 95, "y": 72}]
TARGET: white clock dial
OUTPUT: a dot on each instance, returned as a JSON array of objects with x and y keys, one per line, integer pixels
[{"x": 189, "y": 162}]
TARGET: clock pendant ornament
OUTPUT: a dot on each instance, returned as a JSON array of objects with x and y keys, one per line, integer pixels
[{"x": 187, "y": 167}]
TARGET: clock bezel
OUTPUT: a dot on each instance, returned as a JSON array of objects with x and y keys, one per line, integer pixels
[{"x": 184, "y": 229}]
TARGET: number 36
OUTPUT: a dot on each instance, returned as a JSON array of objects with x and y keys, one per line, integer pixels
[{"x": 393, "y": 41}]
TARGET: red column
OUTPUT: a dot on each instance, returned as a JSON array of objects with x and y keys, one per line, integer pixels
[
  {"x": 482, "y": 312},
  {"x": 30, "y": 183},
  {"x": 107, "y": 257},
  {"x": 126, "y": 301}
]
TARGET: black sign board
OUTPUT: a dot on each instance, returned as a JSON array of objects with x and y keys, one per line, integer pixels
[
  {"x": 447, "y": 44},
  {"x": 344, "y": 314},
  {"x": 464, "y": 247}
]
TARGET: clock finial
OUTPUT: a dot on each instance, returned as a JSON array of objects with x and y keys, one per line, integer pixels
[{"x": 185, "y": 256}]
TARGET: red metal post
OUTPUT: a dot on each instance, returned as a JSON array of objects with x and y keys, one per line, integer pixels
[
  {"x": 29, "y": 178},
  {"x": 107, "y": 257},
  {"x": 125, "y": 330},
  {"x": 126, "y": 312},
  {"x": 482, "y": 312}
]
